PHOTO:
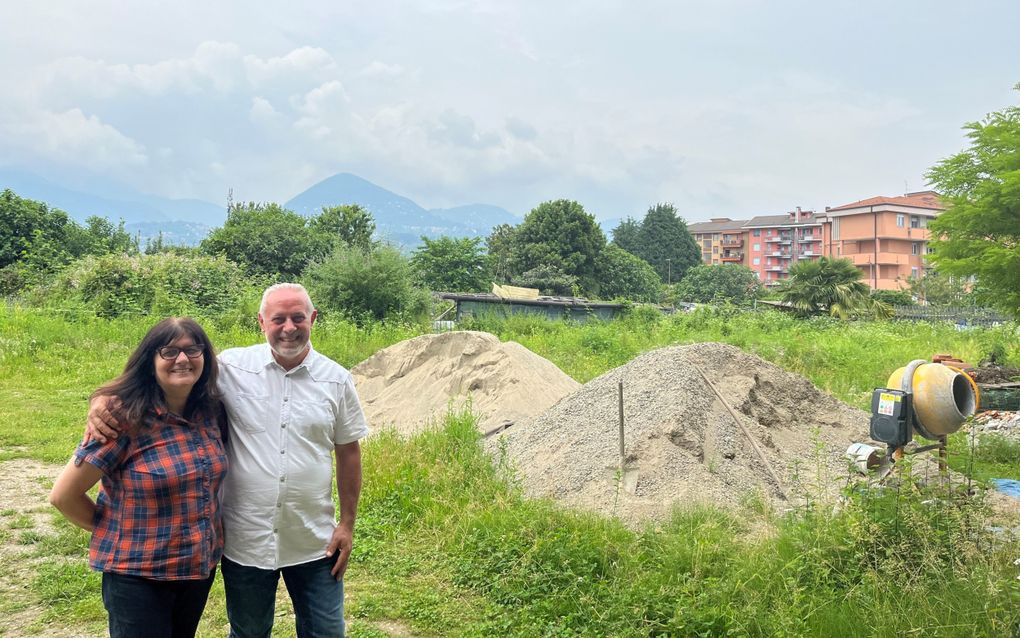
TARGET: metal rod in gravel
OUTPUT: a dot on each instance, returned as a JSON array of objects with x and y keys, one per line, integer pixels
[
  {"x": 747, "y": 434},
  {"x": 623, "y": 457}
]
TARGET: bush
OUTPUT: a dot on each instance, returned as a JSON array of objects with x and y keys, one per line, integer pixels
[
  {"x": 113, "y": 285},
  {"x": 372, "y": 284}
]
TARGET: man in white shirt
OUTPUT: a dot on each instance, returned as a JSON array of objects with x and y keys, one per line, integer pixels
[{"x": 289, "y": 409}]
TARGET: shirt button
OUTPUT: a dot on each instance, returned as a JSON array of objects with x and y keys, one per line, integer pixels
[
  {"x": 282, "y": 479},
  {"x": 285, "y": 399},
  {"x": 283, "y": 451},
  {"x": 284, "y": 426},
  {"x": 276, "y": 531}
]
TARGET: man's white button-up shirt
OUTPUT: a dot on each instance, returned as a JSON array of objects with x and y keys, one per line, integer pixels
[{"x": 277, "y": 497}]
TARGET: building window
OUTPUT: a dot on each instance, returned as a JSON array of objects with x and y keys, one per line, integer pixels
[
  {"x": 913, "y": 272},
  {"x": 915, "y": 248},
  {"x": 757, "y": 232},
  {"x": 835, "y": 228},
  {"x": 928, "y": 250},
  {"x": 756, "y": 247},
  {"x": 756, "y": 261},
  {"x": 715, "y": 250},
  {"x": 900, "y": 221},
  {"x": 915, "y": 221},
  {"x": 706, "y": 257},
  {"x": 715, "y": 236},
  {"x": 707, "y": 244}
]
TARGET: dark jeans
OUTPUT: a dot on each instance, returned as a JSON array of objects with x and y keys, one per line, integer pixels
[
  {"x": 251, "y": 599},
  {"x": 143, "y": 608}
]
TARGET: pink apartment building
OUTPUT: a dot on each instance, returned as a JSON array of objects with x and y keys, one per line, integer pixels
[{"x": 885, "y": 237}]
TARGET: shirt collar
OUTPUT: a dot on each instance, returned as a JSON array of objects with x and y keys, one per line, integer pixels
[{"x": 268, "y": 359}]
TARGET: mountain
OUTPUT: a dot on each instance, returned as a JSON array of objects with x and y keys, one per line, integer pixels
[
  {"x": 398, "y": 218},
  {"x": 182, "y": 221},
  {"x": 188, "y": 221}
]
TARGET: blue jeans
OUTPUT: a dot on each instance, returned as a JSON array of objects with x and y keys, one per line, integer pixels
[
  {"x": 144, "y": 608},
  {"x": 318, "y": 599}
]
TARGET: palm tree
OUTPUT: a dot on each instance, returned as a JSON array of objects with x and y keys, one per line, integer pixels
[{"x": 830, "y": 285}]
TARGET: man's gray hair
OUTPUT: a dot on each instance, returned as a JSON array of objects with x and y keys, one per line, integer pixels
[{"x": 285, "y": 286}]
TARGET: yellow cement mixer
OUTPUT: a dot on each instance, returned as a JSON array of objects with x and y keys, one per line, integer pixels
[{"x": 930, "y": 399}]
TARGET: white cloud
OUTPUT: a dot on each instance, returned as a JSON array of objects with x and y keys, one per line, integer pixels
[{"x": 69, "y": 138}]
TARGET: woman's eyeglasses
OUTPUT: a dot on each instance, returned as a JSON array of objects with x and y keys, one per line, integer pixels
[{"x": 172, "y": 352}]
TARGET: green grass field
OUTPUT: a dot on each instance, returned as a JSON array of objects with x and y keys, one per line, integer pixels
[{"x": 447, "y": 546}]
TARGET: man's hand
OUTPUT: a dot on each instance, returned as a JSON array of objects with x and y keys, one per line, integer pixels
[
  {"x": 102, "y": 425},
  {"x": 340, "y": 542}
]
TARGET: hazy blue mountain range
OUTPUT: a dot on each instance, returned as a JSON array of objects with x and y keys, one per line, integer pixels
[
  {"x": 187, "y": 221},
  {"x": 399, "y": 219}
]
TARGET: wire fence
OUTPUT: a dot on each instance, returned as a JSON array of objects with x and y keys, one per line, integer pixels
[{"x": 962, "y": 316}]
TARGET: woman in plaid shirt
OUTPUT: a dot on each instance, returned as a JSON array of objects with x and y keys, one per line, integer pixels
[{"x": 157, "y": 531}]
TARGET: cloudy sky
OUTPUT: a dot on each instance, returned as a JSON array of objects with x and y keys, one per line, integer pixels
[{"x": 723, "y": 107}]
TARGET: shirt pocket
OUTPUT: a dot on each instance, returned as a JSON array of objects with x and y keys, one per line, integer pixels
[{"x": 248, "y": 412}]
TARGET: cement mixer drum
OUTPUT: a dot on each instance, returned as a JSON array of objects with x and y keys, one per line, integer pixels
[{"x": 943, "y": 397}]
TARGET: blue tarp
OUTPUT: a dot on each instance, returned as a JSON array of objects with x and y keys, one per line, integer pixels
[{"x": 1007, "y": 486}]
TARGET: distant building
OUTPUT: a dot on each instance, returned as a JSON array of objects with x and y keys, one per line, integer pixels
[
  {"x": 779, "y": 241},
  {"x": 721, "y": 240},
  {"x": 885, "y": 237}
]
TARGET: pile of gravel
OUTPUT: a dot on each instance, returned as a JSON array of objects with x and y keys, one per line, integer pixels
[
  {"x": 681, "y": 443},
  {"x": 998, "y": 423}
]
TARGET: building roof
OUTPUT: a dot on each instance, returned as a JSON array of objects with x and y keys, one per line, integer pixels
[
  {"x": 782, "y": 220},
  {"x": 921, "y": 199},
  {"x": 716, "y": 226},
  {"x": 487, "y": 297}
]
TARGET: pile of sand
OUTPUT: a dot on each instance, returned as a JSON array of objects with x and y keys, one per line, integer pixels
[
  {"x": 681, "y": 443},
  {"x": 409, "y": 383}
]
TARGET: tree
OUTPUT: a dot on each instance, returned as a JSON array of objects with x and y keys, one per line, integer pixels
[
  {"x": 979, "y": 234},
  {"x": 549, "y": 280},
  {"x": 626, "y": 276},
  {"x": 562, "y": 235},
  {"x": 728, "y": 282},
  {"x": 666, "y": 244},
  {"x": 366, "y": 284},
  {"x": 265, "y": 239},
  {"x": 102, "y": 237},
  {"x": 627, "y": 235},
  {"x": 37, "y": 241},
  {"x": 451, "y": 265},
  {"x": 500, "y": 246},
  {"x": 349, "y": 224},
  {"x": 937, "y": 289},
  {"x": 32, "y": 227},
  {"x": 829, "y": 285}
]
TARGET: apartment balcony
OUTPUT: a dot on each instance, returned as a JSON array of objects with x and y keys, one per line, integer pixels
[
  {"x": 733, "y": 256},
  {"x": 733, "y": 242},
  {"x": 775, "y": 269},
  {"x": 809, "y": 238},
  {"x": 785, "y": 255},
  {"x": 884, "y": 259}
]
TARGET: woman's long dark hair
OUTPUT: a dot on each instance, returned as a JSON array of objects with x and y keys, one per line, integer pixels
[{"x": 139, "y": 392}]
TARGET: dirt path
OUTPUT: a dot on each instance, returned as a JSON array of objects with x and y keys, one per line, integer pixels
[{"x": 25, "y": 517}]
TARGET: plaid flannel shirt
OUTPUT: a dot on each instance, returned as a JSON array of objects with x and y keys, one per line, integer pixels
[{"x": 158, "y": 512}]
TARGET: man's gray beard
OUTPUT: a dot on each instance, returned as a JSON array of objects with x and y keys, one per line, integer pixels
[{"x": 286, "y": 355}]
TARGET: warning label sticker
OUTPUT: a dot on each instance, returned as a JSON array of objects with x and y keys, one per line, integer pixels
[{"x": 887, "y": 403}]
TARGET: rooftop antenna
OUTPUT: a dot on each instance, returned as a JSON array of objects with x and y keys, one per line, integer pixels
[{"x": 906, "y": 189}]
